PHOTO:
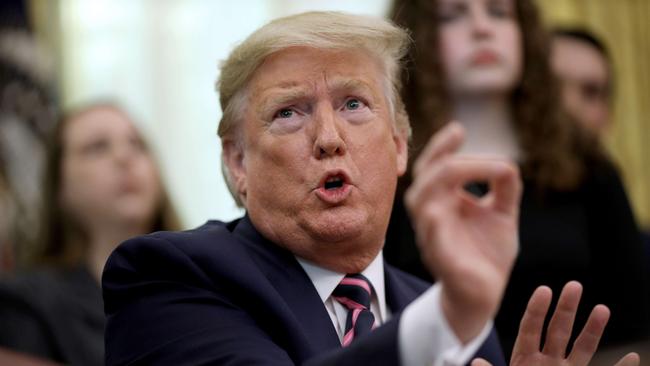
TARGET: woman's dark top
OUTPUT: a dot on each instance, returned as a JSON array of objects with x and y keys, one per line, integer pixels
[
  {"x": 54, "y": 314},
  {"x": 588, "y": 234}
]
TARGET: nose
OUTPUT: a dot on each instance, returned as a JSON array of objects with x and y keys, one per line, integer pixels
[
  {"x": 122, "y": 154},
  {"x": 480, "y": 22},
  {"x": 328, "y": 139}
]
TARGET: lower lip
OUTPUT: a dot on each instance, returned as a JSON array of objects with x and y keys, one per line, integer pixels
[
  {"x": 128, "y": 188},
  {"x": 334, "y": 196},
  {"x": 485, "y": 58}
]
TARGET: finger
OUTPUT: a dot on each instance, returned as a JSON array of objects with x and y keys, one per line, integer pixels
[
  {"x": 631, "y": 359},
  {"x": 530, "y": 329},
  {"x": 587, "y": 342},
  {"x": 480, "y": 362},
  {"x": 451, "y": 174},
  {"x": 559, "y": 329},
  {"x": 444, "y": 142},
  {"x": 506, "y": 190}
]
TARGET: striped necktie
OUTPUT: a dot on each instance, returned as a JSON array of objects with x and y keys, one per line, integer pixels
[{"x": 354, "y": 292}]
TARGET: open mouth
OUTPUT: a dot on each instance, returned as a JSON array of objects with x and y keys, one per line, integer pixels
[
  {"x": 334, "y": 182},
  {"x": 334, "y": 188}
]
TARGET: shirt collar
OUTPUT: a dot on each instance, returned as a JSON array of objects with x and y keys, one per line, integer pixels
[{"x": 325, "y": 281}]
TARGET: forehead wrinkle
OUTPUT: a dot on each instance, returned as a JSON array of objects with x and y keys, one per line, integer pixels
[
  {"x": 350, "y": 84},
  {"x": 288, "y": 91}
]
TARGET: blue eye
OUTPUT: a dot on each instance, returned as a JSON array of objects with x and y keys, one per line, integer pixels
[
  {"x": 284, "y": 113},
  {"x": 353, "y": 104}
]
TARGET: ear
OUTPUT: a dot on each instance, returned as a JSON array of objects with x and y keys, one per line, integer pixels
[
  {"x": 233, "y": 158},
  {"x": 401, "y": 148}
]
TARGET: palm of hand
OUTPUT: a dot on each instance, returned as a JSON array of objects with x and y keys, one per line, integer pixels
[
  {"x": 540, "y": 359},
  {"x": 474, "y": 242},
  {"x": 527, "y": 351}
]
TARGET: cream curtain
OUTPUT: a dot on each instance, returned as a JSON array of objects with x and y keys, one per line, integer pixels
[{"x": 625, "y": 27}]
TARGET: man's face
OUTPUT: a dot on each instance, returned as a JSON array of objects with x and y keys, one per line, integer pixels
[
  {"x": 584, "y": 74},
  {"x": 321, "y": 156}
]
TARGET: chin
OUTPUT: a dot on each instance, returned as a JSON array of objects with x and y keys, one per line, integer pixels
[
  {"x": 489, "y": 81},
  {"x": 348, "y": 240},
  {"x": 135, "y": 215},
  {"x": 338, "y": 225}
]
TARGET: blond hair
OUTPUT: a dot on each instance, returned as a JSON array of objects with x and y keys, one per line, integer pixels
[{"x": 321, "y": 30}]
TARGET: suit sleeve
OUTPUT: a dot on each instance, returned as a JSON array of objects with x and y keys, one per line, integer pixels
[{"x": 162, "y": 309}]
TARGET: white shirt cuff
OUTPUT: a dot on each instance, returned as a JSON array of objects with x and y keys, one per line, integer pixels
[{"x": 425, "y": 337}]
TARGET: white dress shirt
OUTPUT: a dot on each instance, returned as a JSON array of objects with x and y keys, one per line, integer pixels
[{"x": 425, "y": 337}]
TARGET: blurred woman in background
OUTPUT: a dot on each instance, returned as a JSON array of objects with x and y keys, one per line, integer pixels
[
  {"x": 485, "y": 64},
  {"x": 102, "y": 187}
]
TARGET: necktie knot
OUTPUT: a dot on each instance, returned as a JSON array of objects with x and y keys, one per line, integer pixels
[{"x": 355, "y": 292}]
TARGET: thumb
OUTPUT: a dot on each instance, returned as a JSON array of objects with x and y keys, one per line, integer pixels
[
  {"x": 482, "y": 362},
  {"x": 631, "y": 359}
]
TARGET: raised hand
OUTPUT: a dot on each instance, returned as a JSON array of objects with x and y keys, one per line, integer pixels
[
  {"x": 469, "y": 244},
  {"x": 527, "y": 346}
]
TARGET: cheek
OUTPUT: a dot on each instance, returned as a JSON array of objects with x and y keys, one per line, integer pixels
[
  {"x": 149, "y": 174},
  {"x": 515, "y": 49},
  {"x": 594, "y": 109},
  {"x": 82, "y": 188},
  {"x": 376, "y": 149},
  {"x": 449, "y": 50},
  {"x": 82, "y": 177},
  {"x": 573, "y": 99},
  {"x": 276, "y": 165},
  {"x": 150, "y": 180}
]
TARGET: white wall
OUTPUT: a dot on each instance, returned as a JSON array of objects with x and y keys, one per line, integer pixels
[{"x": 159, "y": 58}]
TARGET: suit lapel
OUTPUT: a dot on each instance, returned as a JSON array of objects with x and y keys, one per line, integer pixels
[
  {"x": 311, "y": 328},
  {"x": 292, "y": 284},
  {"x": 401, "y": 291}
]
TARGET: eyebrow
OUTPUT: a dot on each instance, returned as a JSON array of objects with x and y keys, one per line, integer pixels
[
  {"x": 290, "y": 92},
  {"x": 281, "y": 95}
]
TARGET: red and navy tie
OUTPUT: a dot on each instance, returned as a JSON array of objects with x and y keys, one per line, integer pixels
[{"x": 355, "y": 292}]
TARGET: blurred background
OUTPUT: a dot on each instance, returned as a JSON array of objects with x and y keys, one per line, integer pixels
[
  {"x": 159, "y": 59},
  {"x": 625, "y": 28}
]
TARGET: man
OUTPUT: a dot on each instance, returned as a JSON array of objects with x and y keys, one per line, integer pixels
[
  {"x": 314, "y": 137},
  {"x": 582, "y": 64}
]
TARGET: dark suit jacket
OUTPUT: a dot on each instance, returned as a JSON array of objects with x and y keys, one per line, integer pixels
[{"x": 222, "y": 294}]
